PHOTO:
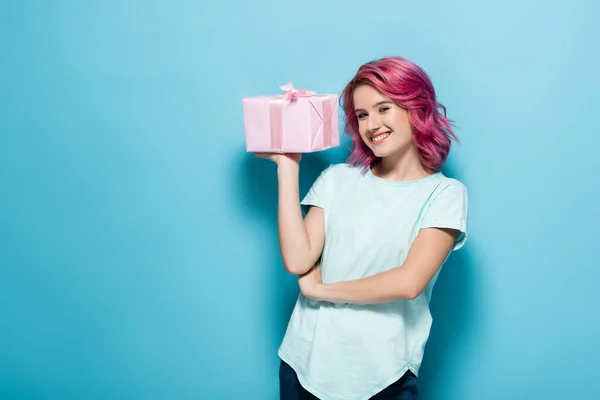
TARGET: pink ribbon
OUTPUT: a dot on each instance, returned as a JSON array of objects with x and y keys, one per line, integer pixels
[
  {"x": 293, "y": 94},
  {"x": 276, "y": 114},
  {"x": 327, "y": 121}
]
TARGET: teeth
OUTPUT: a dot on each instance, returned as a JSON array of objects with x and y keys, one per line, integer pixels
[{"x": 380, "y": 137}]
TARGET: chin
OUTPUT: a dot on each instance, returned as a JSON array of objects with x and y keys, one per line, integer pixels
[
  {"x": 378, "y": 152},
  {"x": 390, "y": 149}
]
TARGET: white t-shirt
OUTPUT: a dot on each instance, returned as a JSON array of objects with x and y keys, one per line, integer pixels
[{"x": 344, "y": 351}]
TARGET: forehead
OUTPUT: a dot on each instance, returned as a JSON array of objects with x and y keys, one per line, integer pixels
[{"x": 366, "y": 96}]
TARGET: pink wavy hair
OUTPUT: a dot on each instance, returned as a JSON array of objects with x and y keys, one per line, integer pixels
[{"x": 407, "y": 85}]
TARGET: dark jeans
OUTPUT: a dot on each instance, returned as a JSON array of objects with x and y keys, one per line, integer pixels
[{"x": 404, "y": 388}]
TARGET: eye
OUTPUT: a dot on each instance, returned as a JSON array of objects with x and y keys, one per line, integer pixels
[
  {"x": 361, "y": 115},
  {"x": 384, "y": 109}
]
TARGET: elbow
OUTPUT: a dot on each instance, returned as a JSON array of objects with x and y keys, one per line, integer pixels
[
  {"x": 296, "y": 269},
  {"x": 298, "y": 265},
  {"x": 411, "y": 295},
  {"x": 411, "y": 292},
  {"x": 409, "y": 286}
]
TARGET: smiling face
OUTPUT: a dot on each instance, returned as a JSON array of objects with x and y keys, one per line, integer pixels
[{"x": 383, "y": 125}]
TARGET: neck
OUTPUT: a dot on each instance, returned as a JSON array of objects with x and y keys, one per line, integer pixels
[{"x": 404, "y": 166}]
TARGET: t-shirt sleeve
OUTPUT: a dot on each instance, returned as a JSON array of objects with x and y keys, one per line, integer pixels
[
  {"x": 449, "y": 209},
  {"x": 318, "y": 193}
]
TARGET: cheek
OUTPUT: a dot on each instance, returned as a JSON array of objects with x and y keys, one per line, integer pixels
[
  {"x": 399, "y": 123},
  {"x": 362, "y": 128}
]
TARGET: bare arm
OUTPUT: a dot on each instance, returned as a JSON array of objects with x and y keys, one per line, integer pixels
[
  {"x": 407, "y": 281},
  {"x": 301, "y": 240}
]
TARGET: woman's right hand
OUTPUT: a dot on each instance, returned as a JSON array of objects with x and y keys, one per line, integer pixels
[{"x": 280, "y": 158}]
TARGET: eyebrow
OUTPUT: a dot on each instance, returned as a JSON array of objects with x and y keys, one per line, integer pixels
[{"x": 376, "y": 104}]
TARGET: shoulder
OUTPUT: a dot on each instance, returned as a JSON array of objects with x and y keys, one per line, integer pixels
[
  {"x": 450, "y": 187},
  {"x": 450, "y": 196},
  {"x": 343, "y": 167},
  {"x": 447, "y": 195},
  {"x": 343, "y": 170},
  {"x": 336, "y": 177}
]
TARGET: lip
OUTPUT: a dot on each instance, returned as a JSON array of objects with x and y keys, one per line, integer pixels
[
  {"x": 378, "y": 134},
  {"x": 371, "y": 136}
]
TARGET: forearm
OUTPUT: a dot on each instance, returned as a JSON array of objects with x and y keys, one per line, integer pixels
[
  {"x": 294, "y": 241},
  {"x": 394, "y": 284},
  {"x": 405, "y": 282}
]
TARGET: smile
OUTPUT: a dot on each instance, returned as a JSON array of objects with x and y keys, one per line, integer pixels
[{"x": 380, "y": 137}]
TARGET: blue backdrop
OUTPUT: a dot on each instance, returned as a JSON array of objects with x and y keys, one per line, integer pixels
[{"x": 138, "y": 242}]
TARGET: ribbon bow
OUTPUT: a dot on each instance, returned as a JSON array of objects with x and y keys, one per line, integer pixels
[{"x": 293, "y": 94}]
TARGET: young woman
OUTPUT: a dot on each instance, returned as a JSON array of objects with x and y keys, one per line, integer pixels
[{"x": 369, "y": 249}]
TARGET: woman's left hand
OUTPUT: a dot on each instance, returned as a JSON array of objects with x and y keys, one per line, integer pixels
[{"x": 310, "y": 282}]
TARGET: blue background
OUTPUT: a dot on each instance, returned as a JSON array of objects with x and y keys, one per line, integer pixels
[{"x": 138, "y": 242}]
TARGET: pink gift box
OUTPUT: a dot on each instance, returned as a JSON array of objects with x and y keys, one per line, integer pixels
[{"x": 297, "y": 121}]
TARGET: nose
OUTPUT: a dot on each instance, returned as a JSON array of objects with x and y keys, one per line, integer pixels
[{"x": 373, "y": 123}]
